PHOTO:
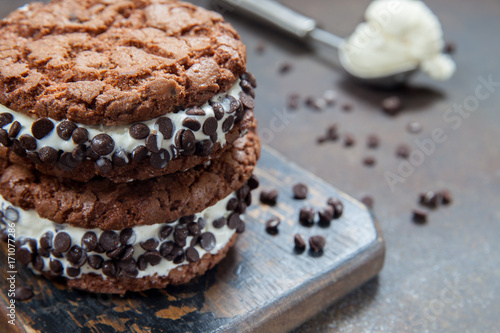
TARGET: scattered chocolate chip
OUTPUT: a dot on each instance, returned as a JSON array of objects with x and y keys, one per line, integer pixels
[
  {"x": 160, "y": 159},
  {"x": 105, "y": 165},
  {"x": 232, "y": 204},
  {"x": 306, "y": 216},
  {"x": 218, "y": 110},
  {"x": 414, "y": 127},
  {"x": 431, "y": 199},
  {"x": 192, "y": 255},
  {"x": 403, "y": 151},
  {"x": 65, "y": 129},
  {"x": 127, "y": 236},
  {"x": 11, "y": 214},
  {"x": 46, "y": 240},
  {"x": 42, "y": 127},
  {"x": 5, "y": 118},
  {"x": 139, "y": 131},
  {"x": 326, "y": 215},
  {"x": 150, "y": 245},
  {"x": 210, "y": 126},
  {"x": 139, "y": 153},
  {"x": 22, "y": 293},
  {"x": 391, "y": 105},
  {"x": 419, "y": 217},
  {"x": 369, "y": 161},
  {"x": 332, "y": 132},
  {"x": 234, "y": 221},
  {"x": 247, "y": 101},
  {"x": 317, "y": 243},
  {"x": 261, "y": 47},
  {"x": 372, "y": 141},
  {"x": 56, "y": 266},
  {"x": 241, "y": 208},
  {"x": 165, "y": 232},
  {"x": 207, "y": 241},
  {"x": 272, "y": 225},
  {"x": 219, "y": 223},
  {"x": 152, "y": 257},
  {"x": 253, "y": 182},
  {"x": 14, "y": 129},
  {"x": 300, "y": 244},
  {"x": 300, "y": 191},
  {"x": 347, "y": 107},
  {"x": 127, "y": 253},
  {"x": 450, "y": 47},
  {"x": 315, "y": 103},
  {"x": 109, "y": 240},
  {"x": 109, "y": 268},
  {"x": 102, "y": 144},
  {"x": 241, "y": 228},
  {"x": 368, "y": 201},
  {"x": 62, "y": 242},
  {"x": 165, "y": 127},
  {"x": 247, "y": 88},
  {"x": 80, "y": 135},
  {"x": 285, "y": 68},
  {"x": 192, "y": 124},
  {"x": 75, "y": 254},
  {"x": 180, "y": 234},
  {"x": 228, "y": 124},
  {"x": 72, "y": 271},
  {"x": 293, "y": 101},
  {"x": 269, "y": 197},
  {"x": 250, "y": 78},
  {"x": 446, "y": 197},
  {"x": 337, "y": 205},
  {"x": 349, "y": 140},
  {"x": 166, "y": 248},
  {"x": 24, "y": 256},
  {"x": 330, "y": 97}
]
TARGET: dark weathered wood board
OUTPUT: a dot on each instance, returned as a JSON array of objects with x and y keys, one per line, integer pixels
[{"x": 262, "y": 285}]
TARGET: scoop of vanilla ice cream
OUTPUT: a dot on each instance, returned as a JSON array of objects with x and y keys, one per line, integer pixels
[{"x": 398, "y": 35}]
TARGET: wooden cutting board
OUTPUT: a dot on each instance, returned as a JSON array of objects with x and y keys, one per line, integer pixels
[{"x": 262, "y": 285}]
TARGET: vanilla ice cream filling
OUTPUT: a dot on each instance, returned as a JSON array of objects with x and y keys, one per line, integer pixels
[
  {"x": 398, "y": 36},
  {"x": 29, "y": 225}
]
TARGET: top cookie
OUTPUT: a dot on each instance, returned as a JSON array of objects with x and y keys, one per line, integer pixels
[{"x": 115, "y": 62}]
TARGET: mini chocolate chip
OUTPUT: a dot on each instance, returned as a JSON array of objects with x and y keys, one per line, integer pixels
[
  {"x": 269, "y": 197},
  {"x": 293, "y": 101},
  {"x": 391, "y": 105},
  {"x": 300, "y": 244},
  {"x": 218, "y": 110},
  {"x": 210, "y": 126},
  {"x": 180, "y": 234},
  {"x": 102, "y": 144},
  {"x": 160, "y": 159},
  {"x": 202, "y": 222},
  {"x": 228, "y": 124},
  {"x": 62, "y": 242},
  {"x": 5, "y": 118},
  {"x": 139, "y": 131},
  {"x": 338, "y": 207},
  {"x": 99, "y": 249},
  {"x": 367, "y": 201},
  {"x": 419, "y": 217},
  {"x": 109, "y": 268},
  {"x": 195, "y": 241},
  {"x": 165, "y": 232},
  {"x": 239, "y": 115},
  {"x": 248, "y": 199},
  {"x": 326, "y": 215},
  {"x": 142, "y": 264},
  {"x": 119, "y": 158},
  {"x": 14, "y": 129},
  {"x": 95, "y": 261},
  {"x": 204, "y": 148},
  {"x": 18, "y": 149},
  {"x": 67, "y": 161},
  {"x": 92, "y": 155},
  {"x": 247, "y": 88},
  {"x": 369, "y": 161},
  {"x": 241, "y": 228},
  {"x": 72, "y": 271},
  {"x": 306, "y": 216},
  {"x": 4, "y": 138},
  {"x": 234, "y": 104},
  {"x": 300, "y": 191},
  {"x": 187, "y": 140},
  {"x": 127, "y": 252},
  {"x": 403, "y": 151},
  {"x": 317, "y": 243},
  {"x": 316, "y": 103},
  {"x": 431, "y": 199},
  {"x": 166, "y": 248},
  {"x": 330, "y": 97},
  {"x": 214, "y": 137},
  {"x": 65, "y": 129},
  {"x": 75, "y": 254},
  {"x": 44, "y": 253},
  {"x": 446, "y": 197},
  {"x": 165, "y": 127},
  {"x": 332, "y": 132},
  {"x": 195, "y": 111},
  {"x": 79, "y": 153},
  {"x": 253, "y": 182},
  {"x": 11, "y": 214},
  {"x": 247, "y": 101},
  {"x": 219, "y": 223},
  {"x": 56, "y": 254},
  {"x": 46, "y": 240},
  {"x": 80, "y": 135},
  {"x": 129, "y": 266},
  {"x": 150, "y": 245},
  {"x": 194, "y": 229},
  {"x": 372, "y": 141},
  {"x": 192, "y": 124},
  {"x": 33, "y": 156},
  {"x": 127, "y": 236},
  {"x": 349, "y": 140},
  {"x": 105, "y": 166},
  {"x": 139, "y": 153},
  {"x": 450, "y": 47},
  {"x": 42, "y": 127},
  {"x": 241, "y": 208},
  {"x": 250, "y": 78},
  {"x": 192, "y": 255},
  {"x": 38, "y": 263},
  {"x": 187, "y": 219},
  {"x": 347, "y": 107},
  {"x": 233, "y": 221},
  {"x": 24, "y": 256},
  {"x": 272, "y": 225},
  {"x": 109, "y": 240},
  {"x": 116, "y": 252},
  {"x": 22, "y": 293},
  {"x": 180, "y": 258},
  {"x": 414, "y": 127},
  {"x": 285, "y": 68},
  {"x": 56, "y": 266},
  {"x": 207, "y": 241},
  {"x": 152, "y": 257}
]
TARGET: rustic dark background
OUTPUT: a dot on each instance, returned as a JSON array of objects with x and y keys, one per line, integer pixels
[{"x": 442, "y": 276}]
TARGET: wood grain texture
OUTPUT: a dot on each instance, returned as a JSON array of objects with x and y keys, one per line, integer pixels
[{"x": 262, "y": 285}]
